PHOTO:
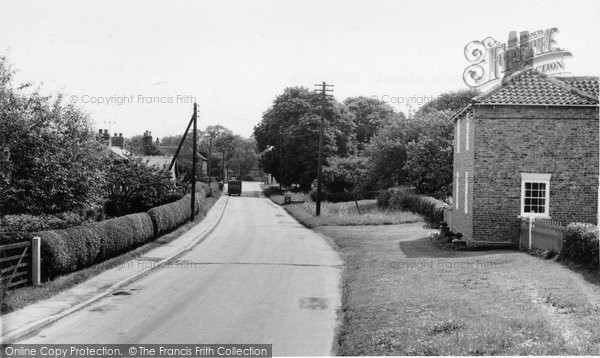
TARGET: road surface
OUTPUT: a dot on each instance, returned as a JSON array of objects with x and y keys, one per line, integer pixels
[{"x": 260, "y": 277}]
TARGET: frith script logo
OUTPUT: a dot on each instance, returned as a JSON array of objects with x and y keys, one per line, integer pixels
[{"x": 491, "y": 60}]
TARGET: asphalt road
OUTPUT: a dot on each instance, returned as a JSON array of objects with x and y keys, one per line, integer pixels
[{"x": 260, "y": 277}]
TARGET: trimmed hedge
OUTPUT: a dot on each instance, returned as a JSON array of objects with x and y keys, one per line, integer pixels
[
  {"x": 15, "y": 228},
  {"x": 78, "y": 247},
  {"x": 580, "y": 244},
  {"x": 167, "y": 217},
  {"x": 431, "y": 208}
]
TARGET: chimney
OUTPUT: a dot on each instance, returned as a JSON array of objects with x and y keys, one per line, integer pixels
[
  {"x": 147, "y": 139},
  {"x": 118, "y": 141}
]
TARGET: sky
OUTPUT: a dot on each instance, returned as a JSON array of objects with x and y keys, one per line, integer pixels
[{"x": 140, "y": 65}]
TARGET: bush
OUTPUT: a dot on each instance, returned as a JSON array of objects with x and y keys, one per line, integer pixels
[
  {"x": 431, "y": 208},
  {"x": 169, "y": 216},
  {"x": 72, "y": 249},
  {"x": 14, "y": 228},
  {"x": 272, "y": 190},
  {"x": 580, "y": 244},
  {"x": 383, "y": 198}
]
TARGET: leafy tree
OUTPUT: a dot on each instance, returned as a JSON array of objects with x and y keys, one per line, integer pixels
[
  {"x": 347, "y": 174},
  {"x": 244, "y": 156},
  {"x": 133, "y": 186},
  {"x": 449, "y": 101},
  {"x": 428, "y": 163},
  {"x": 288, "y": 135},
  {"x": 137, "y": 146},
  {"x": 50, "y": 160},
  {"x": 369, "y": 115}
]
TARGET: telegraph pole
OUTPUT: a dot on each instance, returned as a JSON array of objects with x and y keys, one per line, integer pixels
[
  {"x": 109, "y": 137},
  {"x": 324, "y": 88},
  {"x": 194, "y": 148},
  {"x": 209, "y": 157}
]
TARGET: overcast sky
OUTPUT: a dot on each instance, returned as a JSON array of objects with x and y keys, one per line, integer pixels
[{"x": 234, "y": 57}]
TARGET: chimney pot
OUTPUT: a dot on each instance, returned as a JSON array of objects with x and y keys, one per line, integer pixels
[{"x": 120, "y": 135}]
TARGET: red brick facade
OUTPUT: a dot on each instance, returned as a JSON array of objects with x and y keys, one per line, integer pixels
[{"x": 506, "y": 140}]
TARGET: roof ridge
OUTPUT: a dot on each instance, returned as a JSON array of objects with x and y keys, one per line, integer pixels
[{"x": 554, "y": 81}]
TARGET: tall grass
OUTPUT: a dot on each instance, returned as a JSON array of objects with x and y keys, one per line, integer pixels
[{"x": 347, "y": 214}]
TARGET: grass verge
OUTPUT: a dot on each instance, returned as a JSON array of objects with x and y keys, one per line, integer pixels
[
  {"x": 346, "y": 213},
  {"x": 403, "y": 296},
  {"x": 24, "y": 296}
]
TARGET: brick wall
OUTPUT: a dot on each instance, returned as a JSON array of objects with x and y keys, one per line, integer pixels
[
  {"x": 510, "y": 140},
  {"x": 462, "y": 164}
]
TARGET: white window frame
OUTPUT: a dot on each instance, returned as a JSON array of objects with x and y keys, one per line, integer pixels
[
  {"x": 458, "y": 135},
  {"x": 466, "y": 192},
  {"x": 467, "y": 134},
  {"x": 536, "y": 178},
  {"x": 457, "y": 187}
]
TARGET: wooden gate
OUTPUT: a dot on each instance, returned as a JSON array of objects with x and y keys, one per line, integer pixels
[{"x": 19, "y": 263}]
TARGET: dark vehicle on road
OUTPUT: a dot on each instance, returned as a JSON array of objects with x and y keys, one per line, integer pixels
[{"x": 234, "y": 187}]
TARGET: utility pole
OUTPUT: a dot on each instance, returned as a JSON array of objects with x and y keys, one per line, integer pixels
[
  {"x": 194, "y": 154},
  {"x": 209, "y": 157},
  {"x": 324, "y": 88},
  {"x": 280, "y": 160},
  {"x": 109, "y": 132}
]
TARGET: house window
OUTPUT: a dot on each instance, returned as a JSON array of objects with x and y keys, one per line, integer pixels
[
  {"x": 535, "y": 195},
  {"x": 458, "y": 135},
  {"x": 467, "y": 134},
  {"x": 457, "y": 182},
  {"x": 466, "y": 191}
]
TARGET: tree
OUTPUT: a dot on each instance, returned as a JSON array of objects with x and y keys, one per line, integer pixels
[
  {"x": 288, "y": 135},
  {"x": 50, "y": 159},
  {"x": 449, "y": 101},
  {"x": 369, "y": 115},
  {"x": 244, "y": 156},
  {"x": 428, "y": 163},
  {"x": 347, "y": 174},
  {"x": 133, "y": 186}
]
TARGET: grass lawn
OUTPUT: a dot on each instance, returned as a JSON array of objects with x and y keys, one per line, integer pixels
[
  {"x": 21, "y": 297},
  {"x": 347, "y": 214},
  {"x": 403, "y": 296}
]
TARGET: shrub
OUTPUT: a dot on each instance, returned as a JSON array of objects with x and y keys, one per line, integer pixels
[
  {"x": 78, "y": 247},
  {"x": 431, "y": 208},
  {"x": 383, "y": 198},
  {"x": 169, "y": 216},
  {"x": 15, "y": 228},
  {"x": 272, "y": 190},
  {"x": 580, "y": 244}
]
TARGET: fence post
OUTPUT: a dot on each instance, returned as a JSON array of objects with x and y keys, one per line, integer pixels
[
  {"x": 35, "y": 261},
  {"x": 530, "y": 223}
]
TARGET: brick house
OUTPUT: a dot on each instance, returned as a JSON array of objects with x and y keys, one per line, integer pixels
[{"x": 526, "y": 148}]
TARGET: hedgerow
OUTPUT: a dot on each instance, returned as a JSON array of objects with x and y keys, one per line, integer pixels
[
  {"x": 430, "y": 208},
  {"x": 77, "y": 247},
  {"x": 169, "y": 216}
]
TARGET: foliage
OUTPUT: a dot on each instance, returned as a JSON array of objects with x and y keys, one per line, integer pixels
[
  {"x": 580, "y": 244},
  {"x": 169, "y": 216},
  {"x": 50, "y": 160},
  {"x": 428, "y": 163},
  {"x": 137, "y": 145},
  {"x": 20, "y": 227},
  {"x": 288, "y": 135},
  {"x": 272, "y": 190},
  {"x": 77, "y": 247},
  {"x": 383, "y": 198},
  {"x": 416, "y": 151},
  {"x": 347, "y": 174},
  {"x": 449, "y": 101},
  {"x": 133, "y": 186},
  {"x": 431, "y": 208},
  {"x": 369, "y": 115}
]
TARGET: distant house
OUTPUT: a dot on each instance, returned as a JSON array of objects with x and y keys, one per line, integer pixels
[
  {"x": 160, "y": 162},
  {"x": 527, "y": 148}
]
